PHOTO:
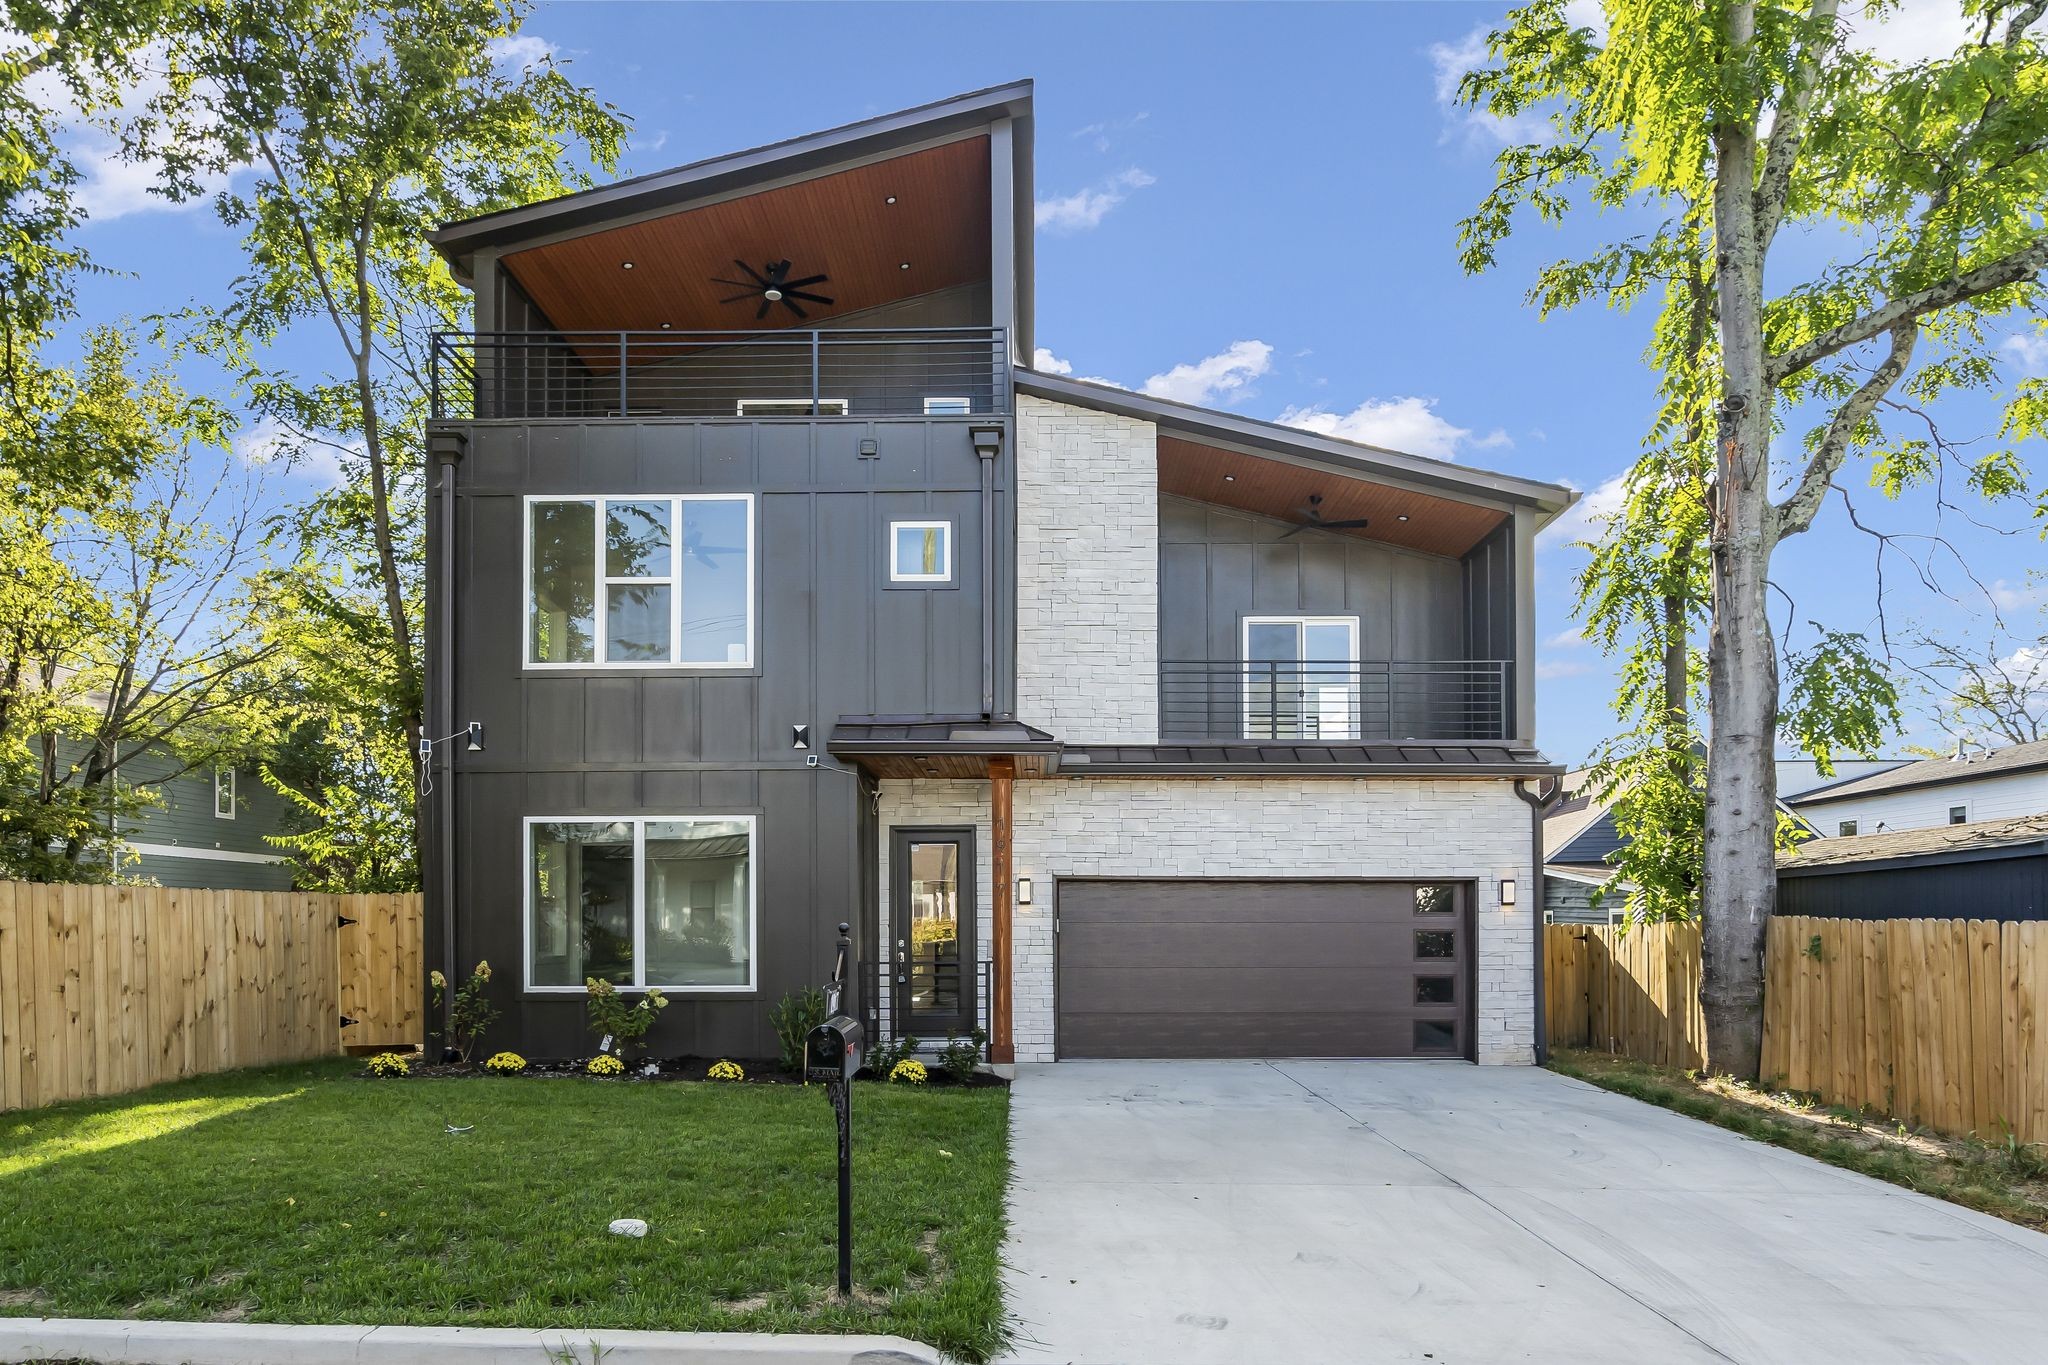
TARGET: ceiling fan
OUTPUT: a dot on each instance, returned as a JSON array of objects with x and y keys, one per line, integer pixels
[
  {"x": 1312, "y": 519},
  {"x": 772, "y": 285}
]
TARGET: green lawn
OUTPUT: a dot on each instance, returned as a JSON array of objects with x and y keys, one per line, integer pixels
[{"x": 302, "y": 1194}]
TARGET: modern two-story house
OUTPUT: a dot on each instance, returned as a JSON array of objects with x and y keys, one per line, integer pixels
[{"x": 785, "y": 593}]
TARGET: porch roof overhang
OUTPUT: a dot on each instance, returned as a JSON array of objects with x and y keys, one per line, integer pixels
[
  {"x": 1305, "y": 760},
  {"x": 942, "y": 746}
]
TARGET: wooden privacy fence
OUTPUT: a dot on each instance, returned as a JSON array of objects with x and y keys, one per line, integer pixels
[
  {"x": 105, "y": 989},
  {"x": 1933, "y": 1022}
]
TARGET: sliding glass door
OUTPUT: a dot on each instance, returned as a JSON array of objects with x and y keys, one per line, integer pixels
[{"x": 1301, "y": 677}]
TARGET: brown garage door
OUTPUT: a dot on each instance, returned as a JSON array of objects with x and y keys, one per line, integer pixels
[{"x": 1264, "y": 969}]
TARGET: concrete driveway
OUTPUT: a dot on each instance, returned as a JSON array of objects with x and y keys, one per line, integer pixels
[{"x": 1294, "y": 1213}]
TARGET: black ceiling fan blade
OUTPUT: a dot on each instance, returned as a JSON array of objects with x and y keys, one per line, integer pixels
[
  {"x": 808, "y": 279},
  {"x": 737, "y": 284},
  {"x": 752, "y": 273},
  {"x": 750, "y": 294},
  {"x": 807, "y": 298},
  {"x": 1353, "y": 524},
  {"x": 762, "y": 311},
  {"x": 790, "y": 304},
  {"x": 1297, "y": 530},
  {"x": 779, "y": 271}
]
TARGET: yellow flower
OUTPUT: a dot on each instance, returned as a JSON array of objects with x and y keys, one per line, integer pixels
[
  {"x": 726, "y": 1071},
  {"x": 908, "y": 1072},
  {"x": 390, "y": 1064},
  {"x": 438, "y": 979},
  {"x": 505, "y": 1064},
  {"x": 483, "y": 971},
  {"x": 604, "y": 1064}
]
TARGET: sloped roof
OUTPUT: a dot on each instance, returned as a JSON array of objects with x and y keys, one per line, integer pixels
[
  {"x": 1932, "y": 772},
  {"x": 1306, "y": 760},
  {"x": 2009, "y": 837}
]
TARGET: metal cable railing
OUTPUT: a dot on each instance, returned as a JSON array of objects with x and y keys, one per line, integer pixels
[
  {"x": 1334, "y": 701},
  {"x": 850, "y": 372},
  {"x": 888, "y": 1014}
]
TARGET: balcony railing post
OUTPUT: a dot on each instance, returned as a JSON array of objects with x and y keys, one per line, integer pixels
[
  {"x": 434, "y": 377},
  {"x": 625, "y": 407},
  {"x": 814, "y": 372}
]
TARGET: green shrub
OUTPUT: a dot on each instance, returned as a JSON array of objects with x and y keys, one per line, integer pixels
[
  {"x": 611, "y": 1017},
  {"x": 960, "y": 1056},
  {"x": 793, "y": 1017},
  {"x": 470, "y": 1013},
  {"x": 883, "y": 1057},
  {"x": 908, "y": 1072}
]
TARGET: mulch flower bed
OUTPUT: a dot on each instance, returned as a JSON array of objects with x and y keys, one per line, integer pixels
[{"x": 759, "y": 1071}]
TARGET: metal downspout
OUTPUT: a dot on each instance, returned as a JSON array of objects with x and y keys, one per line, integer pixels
[
  {"x": 448, "y": 452},
  {"x": 1541, "y": 800},
  {"x": 988, "y": 443}
]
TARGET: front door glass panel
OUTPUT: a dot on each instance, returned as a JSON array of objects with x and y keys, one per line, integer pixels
[{"x": 933, "y": 909}]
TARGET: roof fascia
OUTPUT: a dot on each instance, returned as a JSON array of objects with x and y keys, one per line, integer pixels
[
  {"x": 1270, "y": 440},
  {"x": 1822, "y": 796},
  {"x": 734, "y": 175},
  {"x": 2034, "y": 848}
]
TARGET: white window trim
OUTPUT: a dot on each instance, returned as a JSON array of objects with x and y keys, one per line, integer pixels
[
  {"x": 1949, "y": 813},
  {"x": 949, "y": 406},
  {"x": 232, "y": 808},
  {"x": 945, "y": 574},
  {"x": 1244, "y": 656},
  {"x": 599, "y": 642},
  {"x": 639, "y": 823},
  {"x": 777, "y": 407},
  {"x": 1850, "y": 833}
]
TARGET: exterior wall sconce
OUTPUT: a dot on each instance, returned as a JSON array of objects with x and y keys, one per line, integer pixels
[
  {"x": 476, "y": 737},
  {"x": 799, "y": 736},
  {"x": 1023, "y": 890},
  {"x": 1507, "y": 890}
]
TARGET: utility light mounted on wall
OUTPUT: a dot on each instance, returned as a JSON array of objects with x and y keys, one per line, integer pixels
[
  {"x": 1023, "y": 890},
  {"x": 799, "y": 736},
  {"x": 1507, "y": 890},
  {"x": 476, "y": 737}
]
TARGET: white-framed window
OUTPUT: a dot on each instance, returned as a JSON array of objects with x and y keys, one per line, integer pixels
[
  {"x": 1959, "y": 814},
  {"x": 920, "y": 552},
  {"x": 1846, "y": 829},
  {"x": 1301, "y": 677},
  {"x": 640, "y": 581},
  {"x": 791, "y": 407},
  {"x": 949, "y": 407},
  {"x": 641, "y": 901},
  {"x": 223, "y": 793}
]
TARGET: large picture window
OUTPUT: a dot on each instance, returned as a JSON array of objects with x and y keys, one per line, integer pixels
[
  {"x": 642, "y": 901},
  {"x": 638, "y": 582}
]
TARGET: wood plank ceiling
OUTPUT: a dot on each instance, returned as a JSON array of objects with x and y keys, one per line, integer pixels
[
  {"x": 840, "y": 225},
  {"x": 1274, "y": 488}
]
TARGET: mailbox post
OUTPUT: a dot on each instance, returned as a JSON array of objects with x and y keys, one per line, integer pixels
[{"x": 832, "y": 1055}]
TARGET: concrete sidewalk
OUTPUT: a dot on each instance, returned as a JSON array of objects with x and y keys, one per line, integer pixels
[{"x": 1252, "y": 1213}]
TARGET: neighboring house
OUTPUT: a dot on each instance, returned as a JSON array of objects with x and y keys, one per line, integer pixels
[
  {"x": 784, "y": 596},
  {"x": 1992, "y": 869},
  {"x": 205, "y": 828},
  {"x": 1968, "y": 787},
  {"x": 1799, "y": 775},
  {"x": 1579, "y": 838}
]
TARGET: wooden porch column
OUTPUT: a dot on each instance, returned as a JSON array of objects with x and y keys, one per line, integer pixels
[{"x": 1002, "y": 774}]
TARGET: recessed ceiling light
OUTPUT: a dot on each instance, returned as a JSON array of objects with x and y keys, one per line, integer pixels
[
  {"x": 904, "y": 266},
  {"x": 666, "y": 325},
  {"x": 1402, "y": 517},
  {"x": 625, "y": 265},
  {"x": 1230, "y": 478},
  {"x": 890, "y": 200}
]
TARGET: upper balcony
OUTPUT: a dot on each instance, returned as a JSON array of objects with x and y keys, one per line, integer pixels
[{"x": 857, "y": 373}]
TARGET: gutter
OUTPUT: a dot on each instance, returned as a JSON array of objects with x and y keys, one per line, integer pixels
[{"x": 1542, "y": 799}]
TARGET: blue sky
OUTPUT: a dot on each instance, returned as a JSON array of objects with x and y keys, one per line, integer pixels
[{"x": 1253, "y": 207}]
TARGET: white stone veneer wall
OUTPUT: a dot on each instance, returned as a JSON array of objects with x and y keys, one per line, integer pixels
[
  {"x": 1087, "y": 573},
  {"x": 1475, "y": 831}
]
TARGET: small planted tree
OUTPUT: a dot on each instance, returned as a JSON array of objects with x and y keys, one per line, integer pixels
[
  {"x": 470, "y": 1013},
  {"x": 621, "y": 1028}
]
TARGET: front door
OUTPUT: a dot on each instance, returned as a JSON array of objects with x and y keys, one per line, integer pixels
[{"x": 931, "y": 880}]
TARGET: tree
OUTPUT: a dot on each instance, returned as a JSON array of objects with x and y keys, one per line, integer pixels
[
  {"x": 1920, "y": 183},
  {"x": 364, "y": 126},
  {"x": 1993, "y": 691}
]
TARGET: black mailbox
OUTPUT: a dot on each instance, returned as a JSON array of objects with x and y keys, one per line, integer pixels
[{"x": 832, "y": 1052}]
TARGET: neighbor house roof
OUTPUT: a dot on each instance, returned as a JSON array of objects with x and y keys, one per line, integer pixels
[
  {"x": 1933, "y": 772},
  {"x": 1230, "y": 430},
  {"x": 2020, "y": 837}
]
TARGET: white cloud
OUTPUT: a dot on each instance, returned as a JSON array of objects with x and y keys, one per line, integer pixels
[
  {"x": 1102, "y": 134},
  {"x": 2029, "y": 351},
  {"x": 522, "y": 50},
  {"x": 1911, "y": 31},
  {"x": 1227, "y": 373},
  {"x": 1567, "y": 639},
  {"x": 1085, "y": 209},
  {"x": 1410, "y": 425},
  {"x": 1547, "y": 669},
  {"x": 1589, "y": 516},
  {"x": 1045, "y": 362},
  {"x": 2010, "y": 596},
  {"x": 1452, "y": 61},
  {"x": 268, "y": 444}
]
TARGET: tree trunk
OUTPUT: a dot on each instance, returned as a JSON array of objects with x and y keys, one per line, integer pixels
[{"x": 1740, "y": 874}]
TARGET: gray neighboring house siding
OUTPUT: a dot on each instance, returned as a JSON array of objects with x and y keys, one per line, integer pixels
[{"x": 222, "y": 855}]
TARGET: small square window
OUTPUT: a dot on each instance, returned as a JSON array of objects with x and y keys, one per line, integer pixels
[
  {"x": 223, "y": 793},
  {"x": 1435, "y": 990},
  {"x": 1434, "y": 943},
  {"x": 1435, "y": 898},
  {"x": 791, "y": 407},
  {"x": 948, "y": 407},
  {"x": 920, "y": 552},
  {"x": 1846, "y": 829},
  {"x": 1959, "y": 815},
  {"x": 1436, "y": 1035}
]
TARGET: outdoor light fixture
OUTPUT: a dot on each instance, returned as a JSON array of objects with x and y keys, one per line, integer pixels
[
  {"x": 890, "y": 200},
  {"x": 904, "y": 266},
  {"x": 1402, "y": 517},
  {"x": 1507, "y": 890},
  {"x": 1230, "y": 478},
  {"x": 799, "y": 736},
  {"x": 666, "y": 325},
  {"x": 476, "y": 737},
  {"x": 1023, "y": 890},
  {"x": 625, "y": 265}
]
